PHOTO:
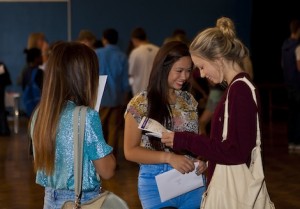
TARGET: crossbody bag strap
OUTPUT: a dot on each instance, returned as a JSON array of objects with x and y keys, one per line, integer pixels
[
  {"x": 226, "y": 115},
  {"x": 78, "y": 133},
  {"x": 32, "y": 122}
]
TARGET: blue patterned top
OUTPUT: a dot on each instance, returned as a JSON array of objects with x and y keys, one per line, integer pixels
[{"x": 94, "y": 147}]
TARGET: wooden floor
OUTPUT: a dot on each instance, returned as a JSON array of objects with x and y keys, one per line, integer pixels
[{"x": 19, "y": 191}]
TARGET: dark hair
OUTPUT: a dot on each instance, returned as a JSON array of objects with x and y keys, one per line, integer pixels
[
  {"x": 139, "y": 33},
  {"x": 179, "y": 32},
  {"x": 32, "y": 54},
  {"x": 158, "y": 90},
  {"x": 98, "y": 44},
  {"x": 111, "y": 35},
  {"x": 294, "y": 25}
]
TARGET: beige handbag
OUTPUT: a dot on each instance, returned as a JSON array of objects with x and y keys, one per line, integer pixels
[
  {"x": 105, "y": 200},
  {"x": 237, "y": 186}
]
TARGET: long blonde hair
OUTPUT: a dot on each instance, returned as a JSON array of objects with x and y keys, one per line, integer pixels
[{"x": 71, "y": 74}]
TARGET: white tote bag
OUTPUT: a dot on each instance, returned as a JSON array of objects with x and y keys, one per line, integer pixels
[{"x": 237, "y": 186}]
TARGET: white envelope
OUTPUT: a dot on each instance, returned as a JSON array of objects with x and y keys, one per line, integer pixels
[{"x": 173, "y": 183}]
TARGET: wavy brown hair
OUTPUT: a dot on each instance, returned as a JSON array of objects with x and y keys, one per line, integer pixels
[{"x": 71, "y": 74}]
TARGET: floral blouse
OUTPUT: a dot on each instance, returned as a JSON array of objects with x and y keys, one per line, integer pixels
[{"x": 185, "y": 114}]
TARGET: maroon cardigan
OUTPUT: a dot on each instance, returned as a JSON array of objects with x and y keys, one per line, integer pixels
[{"x": 241, "y": 136}]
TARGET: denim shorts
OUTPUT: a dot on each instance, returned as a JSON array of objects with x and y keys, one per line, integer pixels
[
  {"x": 55, "y": 198},
  {"x": 149, "y": 195}
]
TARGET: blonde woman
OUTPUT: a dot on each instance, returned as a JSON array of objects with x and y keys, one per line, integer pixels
[{"x": 219, "y": 55}]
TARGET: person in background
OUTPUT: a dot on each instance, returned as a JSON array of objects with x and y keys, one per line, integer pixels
[
  {"x": 290, "y": 61},
  {"x": 33, "y": 60},
  {"x": 178, "y": 35},
  {"x": 38, "y": 40},
  {"x": 87, "y": 37},
  {"x": 32, "y": 75},
  {"x": 98, "y": 44},
  {"x": 140, "y": 60},
  {"x": 113, "y": 63},
  {"x": 71, "y": 80},
  {"x": 214, "y": 95},
  {"x": 5, "y": 81},
  {"x": 176, "y": 109},
  {"x": 219, "y": 55}
]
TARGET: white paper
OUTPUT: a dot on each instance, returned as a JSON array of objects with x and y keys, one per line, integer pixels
[
  {"x": 173, "y": 183},
  {"x": 154, "y": 127},
  {"x": 102, "y": 81}
]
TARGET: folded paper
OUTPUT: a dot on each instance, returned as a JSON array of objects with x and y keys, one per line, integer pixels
[{"x": 173, "y": 183}]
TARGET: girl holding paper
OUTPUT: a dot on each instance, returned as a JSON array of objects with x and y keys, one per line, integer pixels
[
  {"x": 165, "y": 101},
  {"x": 71, "y": 80}
]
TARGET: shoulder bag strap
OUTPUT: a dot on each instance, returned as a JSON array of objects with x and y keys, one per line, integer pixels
[
  {"x": 78, "y": 133},
  {"x": 225, "y": 127}
]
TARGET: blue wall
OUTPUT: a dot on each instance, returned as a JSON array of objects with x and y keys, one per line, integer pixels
[{"x": 158, "y": 17}]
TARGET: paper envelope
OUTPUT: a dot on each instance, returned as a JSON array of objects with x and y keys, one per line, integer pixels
[{"x": 173, "y": 183}]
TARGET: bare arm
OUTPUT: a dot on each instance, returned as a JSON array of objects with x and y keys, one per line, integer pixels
[
  {"x": 134, "y": 152},
  {"x": 106, "y": 166}
]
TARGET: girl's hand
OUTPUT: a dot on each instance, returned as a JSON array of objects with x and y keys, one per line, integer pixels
[
  {"x": 168, "y": 138},
  {"x": 181, "y": 163},
  {"x": 201, "y": 167}
]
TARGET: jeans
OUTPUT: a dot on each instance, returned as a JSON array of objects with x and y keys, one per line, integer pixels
[
  {"x": 55, "y": 198},
  {"x": 149, "y": 195}
]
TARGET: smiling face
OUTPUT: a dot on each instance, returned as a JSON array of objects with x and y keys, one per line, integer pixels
[
  {"x": 209, "y": 69},
  {"x": 180, "y": 73}
]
